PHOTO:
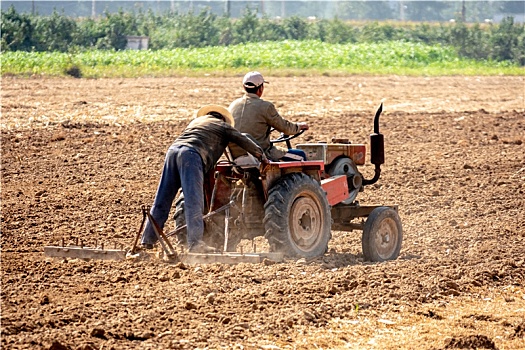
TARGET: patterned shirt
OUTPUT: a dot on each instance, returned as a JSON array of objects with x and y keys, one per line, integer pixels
[{"x": 209, "y": 136}]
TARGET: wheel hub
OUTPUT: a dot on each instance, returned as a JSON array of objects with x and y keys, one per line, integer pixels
[
  {"x": 386, "y": 237},
  {"x": 305, "y": 222}
]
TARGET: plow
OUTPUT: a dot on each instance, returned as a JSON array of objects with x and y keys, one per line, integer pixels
[{"x": 293, "y": 205}]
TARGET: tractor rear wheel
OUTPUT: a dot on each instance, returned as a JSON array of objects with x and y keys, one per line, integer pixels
[
  {"x": 180, "y": 220},
  {"x": 382, "y": 235},
  {"x": 213, "y": 228},
  {"x": 297, "y": 217}
]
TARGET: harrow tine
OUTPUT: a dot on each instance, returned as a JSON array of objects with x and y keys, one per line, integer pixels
[
  {"x": 163, "y": 239},
  {"x": 226, "y": 228},
  {"x": 134, "y": 248}
]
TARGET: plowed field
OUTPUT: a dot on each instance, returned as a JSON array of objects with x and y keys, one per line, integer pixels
[{"x": 80, "y": 157}]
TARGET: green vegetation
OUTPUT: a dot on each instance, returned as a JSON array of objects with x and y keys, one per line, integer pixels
[
  {"x": 170, "y": 30},
  {"x": 191, "y": 43},
  {"x": 279, "y": 58}
]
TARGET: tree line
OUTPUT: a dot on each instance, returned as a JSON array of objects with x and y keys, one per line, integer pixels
[
  {"x": 403, "y": 10},
  {"x": 504, "y": 41}
]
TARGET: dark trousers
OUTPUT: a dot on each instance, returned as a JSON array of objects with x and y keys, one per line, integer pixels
[{"x": 182, "y": 168}]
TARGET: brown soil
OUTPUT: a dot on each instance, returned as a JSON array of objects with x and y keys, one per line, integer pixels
[{"x": 79, "y": 158}]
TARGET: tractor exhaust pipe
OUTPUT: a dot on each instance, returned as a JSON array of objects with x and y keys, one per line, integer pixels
[{"x": 377, "y": 149}]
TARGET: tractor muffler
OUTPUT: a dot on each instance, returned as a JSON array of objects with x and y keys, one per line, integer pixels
[{"x": 377, "y": 149}]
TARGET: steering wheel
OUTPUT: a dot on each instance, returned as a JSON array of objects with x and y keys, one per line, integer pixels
[{"x": 286, "y": 138}]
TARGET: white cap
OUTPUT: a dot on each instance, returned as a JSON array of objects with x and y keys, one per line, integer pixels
[{"x": 253, "y": 79}]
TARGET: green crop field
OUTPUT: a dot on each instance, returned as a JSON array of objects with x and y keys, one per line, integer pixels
[{"x": 279, "y": 58}]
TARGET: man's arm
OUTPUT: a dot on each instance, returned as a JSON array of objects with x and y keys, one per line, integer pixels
[
  {"x": 246, "y": 143},
  {"x": 274, "y": 119}
]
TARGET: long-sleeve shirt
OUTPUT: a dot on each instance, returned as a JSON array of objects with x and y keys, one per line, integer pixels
[
  {"x": 209, "y": 136},
  {"x": 255, "y": 116}
]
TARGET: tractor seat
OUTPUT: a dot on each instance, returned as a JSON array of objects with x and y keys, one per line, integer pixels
[
  {"x": 246, "y": 162},
  {"x": 242, "y": 163}
]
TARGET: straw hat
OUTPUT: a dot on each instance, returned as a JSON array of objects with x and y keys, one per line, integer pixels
[{"x": 205, "y": 110}]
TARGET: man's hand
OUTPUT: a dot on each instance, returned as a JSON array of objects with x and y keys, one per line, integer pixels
[
  {"x": 264, "y": 161},
  {"x": 303, "y": 126}
]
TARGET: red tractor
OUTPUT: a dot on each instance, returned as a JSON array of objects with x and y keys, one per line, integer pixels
[{"x": 296, "y": 205}]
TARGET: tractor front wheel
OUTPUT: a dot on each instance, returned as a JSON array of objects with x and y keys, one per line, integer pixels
[
  {"x": 382, "y": 235},
  {"x": 297, "y": 217}
]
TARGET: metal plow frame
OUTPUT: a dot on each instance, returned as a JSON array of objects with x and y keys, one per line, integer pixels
[
  {"x": 88, "y": 253},
  {"x": 168, "y": 251},
  {"x": 229, "y": 258},
  {"x": 76, "y": 252}
]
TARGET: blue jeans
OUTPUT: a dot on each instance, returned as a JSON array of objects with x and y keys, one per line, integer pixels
[{"x": 182, "y": 168}]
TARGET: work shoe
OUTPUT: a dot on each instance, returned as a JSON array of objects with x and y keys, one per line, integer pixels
[
  {"x": 181, "y": 238},
  {"x": 146, "y": 246},
  {"x": 201, "y": 247}
]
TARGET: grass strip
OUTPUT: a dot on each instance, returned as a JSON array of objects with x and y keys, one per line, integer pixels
[{"x": 279, "y": 58}]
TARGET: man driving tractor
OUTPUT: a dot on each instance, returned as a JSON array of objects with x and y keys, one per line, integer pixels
[{"x": 257, "y": 117}]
